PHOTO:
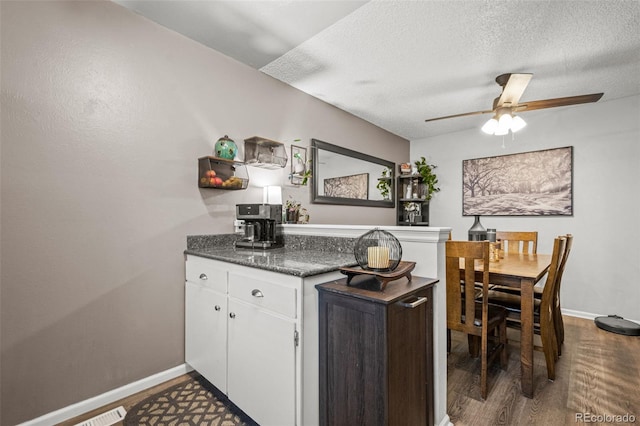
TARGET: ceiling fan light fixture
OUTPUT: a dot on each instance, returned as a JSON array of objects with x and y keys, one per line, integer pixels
[
  {"x": 501, "y": 131},
  {"x": 490, "y": 126},
  {"x": 517, "y": 123},
  {"x": 504, "y": 124},
  {"x": 504, "y": 106}
]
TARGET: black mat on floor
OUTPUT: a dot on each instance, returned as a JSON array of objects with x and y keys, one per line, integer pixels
[{"x": 192, "y": 402}]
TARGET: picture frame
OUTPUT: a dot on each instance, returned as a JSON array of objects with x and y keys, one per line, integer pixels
[
  {"x": 352, "y": 186},
  {"x": 536, "y": 183},
  {"x": 298, "y": 164}
]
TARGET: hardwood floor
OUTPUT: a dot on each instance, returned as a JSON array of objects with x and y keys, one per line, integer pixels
[{"x": 598, "y": 373}]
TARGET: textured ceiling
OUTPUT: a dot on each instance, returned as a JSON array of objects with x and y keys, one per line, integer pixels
[{"x": 396, "y": 63}]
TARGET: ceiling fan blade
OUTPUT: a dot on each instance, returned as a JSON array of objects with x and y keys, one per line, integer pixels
[
  {"x": 558, "y": 102},
  {"x": 460, "y": 115},
  {"x": 513, "y": 89}
]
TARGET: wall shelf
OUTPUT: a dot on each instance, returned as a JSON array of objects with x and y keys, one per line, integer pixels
[
  {"x": 265, "y": 153},
  {"x": 220, "y": 173},
  {"x": 411, "y": 190}
]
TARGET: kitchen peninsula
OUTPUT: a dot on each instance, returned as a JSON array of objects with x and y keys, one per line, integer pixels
[{"x": 240, "y": 302}]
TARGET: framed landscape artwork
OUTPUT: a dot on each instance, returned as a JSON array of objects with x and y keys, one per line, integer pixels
[{"x": 538, "y": 183}]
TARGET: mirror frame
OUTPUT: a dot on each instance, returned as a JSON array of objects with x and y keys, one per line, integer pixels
[{"x": 317, "y": 145}]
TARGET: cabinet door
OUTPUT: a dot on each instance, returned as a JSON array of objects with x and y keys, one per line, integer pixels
[
  {"x": 352, "y": 361},
  {"x": 206, "y": 333},
  {"x": 262, "y": 364},
  {"x": 409, "y": 366}
]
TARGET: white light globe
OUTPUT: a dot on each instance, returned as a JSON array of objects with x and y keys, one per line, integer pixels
[
  {"x": 490, "y": 126},
  {"x": 517, "y": 124},
  {"x": 505, "y": 121}
]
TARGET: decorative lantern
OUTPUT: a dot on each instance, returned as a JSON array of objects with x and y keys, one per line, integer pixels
[
  {"x": 378, "y": 251},
  {"x": 225, "y": 148}
]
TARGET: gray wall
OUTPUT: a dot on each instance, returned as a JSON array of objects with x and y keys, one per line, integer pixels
[
  {"x": 602, "y": 273},
  {"x": 104, "y": 115}
]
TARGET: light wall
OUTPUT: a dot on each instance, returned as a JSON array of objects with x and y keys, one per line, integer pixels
[
  {"x": 104, "y": 114},
  {"x": 601, "y": 274}
]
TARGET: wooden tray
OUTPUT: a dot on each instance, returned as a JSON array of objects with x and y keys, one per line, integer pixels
[{"x": 383, "y": 278}]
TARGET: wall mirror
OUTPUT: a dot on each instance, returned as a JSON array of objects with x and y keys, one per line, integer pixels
[{"x": 344, "y": 176}]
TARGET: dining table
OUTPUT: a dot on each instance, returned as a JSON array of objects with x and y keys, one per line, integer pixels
[{"x": 522, "y": 272}]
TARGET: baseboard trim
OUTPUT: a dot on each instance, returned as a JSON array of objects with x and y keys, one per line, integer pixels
[
  {"x": 588, "y": 315},
  {"x": 579, "y": 314},
  {"x": 446, "y": 421},
  {"x": 106, "y": 398}
]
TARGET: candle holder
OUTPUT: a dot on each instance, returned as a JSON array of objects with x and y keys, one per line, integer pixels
[{"x": 378, "y": 251}]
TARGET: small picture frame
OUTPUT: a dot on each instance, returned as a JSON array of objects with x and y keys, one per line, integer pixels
[{"x": 298, "y": 164}]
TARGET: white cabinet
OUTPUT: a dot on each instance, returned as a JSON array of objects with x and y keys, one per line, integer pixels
[
  {"x": 206, "y": 320},
  {"x": 242, "y": 333},
  {"x": 262, "y": 364},
  {"x": 206, "y": 333}
]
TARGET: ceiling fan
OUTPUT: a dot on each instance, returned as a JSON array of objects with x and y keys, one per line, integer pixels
[{"x": 507, "y": 104}]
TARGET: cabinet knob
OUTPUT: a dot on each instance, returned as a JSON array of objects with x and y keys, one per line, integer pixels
[
  {"x": 419, "y": 301},
  {"x": 257, "y": 293},
  {"x": 217, "y": 307},
  {"x": 232, "y": 315},
  {"x": 204, "y": 277}
]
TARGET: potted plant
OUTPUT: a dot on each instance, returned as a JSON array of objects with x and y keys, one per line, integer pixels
[
  {"x": 292, "y": 210},
  {"x": 301, "y": 170},
  {"x": 429, "y": 178},
  {"x": 384, "y": 183},
  {"x": 300, "y": 166},
  {"x": 306, "y": 175},
  {"x": 413, "y": 210}
]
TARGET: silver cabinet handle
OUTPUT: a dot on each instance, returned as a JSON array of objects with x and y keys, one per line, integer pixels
[
  {"x": 415, "y": 303},
  {"x": 203, "y": 276},
  {"x": 257, "y": 293},
  {"x": 217, "y": 307},
  {"x": 232, "y": 315}
]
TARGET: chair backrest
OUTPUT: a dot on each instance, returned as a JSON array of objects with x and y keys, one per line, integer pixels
[
  {"x": 567, "y": 250},
  {"x": 550, "y": 285},
  {"x": 518, "y": 241},
  {"x": 563, "y": 262},
  {"x": 461, "y": 311}
]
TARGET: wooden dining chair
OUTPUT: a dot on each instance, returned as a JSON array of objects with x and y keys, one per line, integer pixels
[
  {"x": 557, "y": 309},
  {"x": 543, "y": 308},
  {"x": 474, "y": 316},
  {"x": 525, "y": 242},
  {"x": 518, "y": 241},
  {"x": 539, "y": 291}
]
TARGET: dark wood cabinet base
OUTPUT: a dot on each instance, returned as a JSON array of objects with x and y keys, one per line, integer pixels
[{"x": 376, "y": 353}]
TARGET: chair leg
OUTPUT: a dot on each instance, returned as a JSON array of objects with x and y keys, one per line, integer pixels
[
  {"x": 503, "y": 341},
  {"x": 474, "y": 345},
  {"x": 559, "y": 328},
  {"x": 483, "y": 369},
  {"x": 549, "y": 347},
  {"x": 448, "y": 340}
]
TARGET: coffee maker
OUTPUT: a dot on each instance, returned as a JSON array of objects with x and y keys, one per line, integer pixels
[{"x": 262, "y": 227}]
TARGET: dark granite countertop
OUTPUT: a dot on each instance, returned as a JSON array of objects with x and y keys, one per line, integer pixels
[{"x": 302, "y": 256}]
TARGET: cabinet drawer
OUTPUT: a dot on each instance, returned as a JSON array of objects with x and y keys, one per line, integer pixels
[
  {"x": 205, "y": 272},
  {"x": 264, "y": 294}
]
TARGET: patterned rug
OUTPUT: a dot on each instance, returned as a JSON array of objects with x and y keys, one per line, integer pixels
[{"x": 193, "y": 402}]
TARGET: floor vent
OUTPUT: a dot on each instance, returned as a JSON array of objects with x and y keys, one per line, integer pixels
[{"x": 106, "y": 419}]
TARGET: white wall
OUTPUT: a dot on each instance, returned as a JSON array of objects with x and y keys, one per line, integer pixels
[{"x": 602, "y": 272}]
